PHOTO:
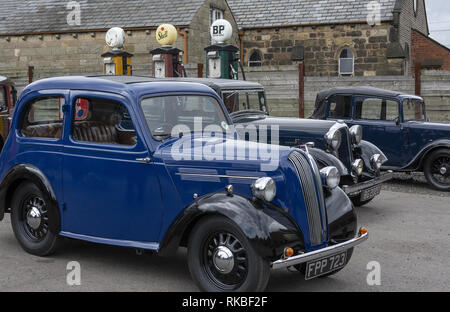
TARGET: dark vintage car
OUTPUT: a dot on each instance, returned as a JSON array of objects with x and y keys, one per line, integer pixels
[
  {"x": 397, "y": 123},
  {"x": 8, "y": 95},
  {"x": 73, "y": 170},
  {"x": 331, "y": 143}
]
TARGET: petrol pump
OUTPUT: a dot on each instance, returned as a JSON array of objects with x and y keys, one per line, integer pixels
[
  {"x": 222, "y": 60},
  {"x": 167, "y": 60},
  {"x": 117, "y": 61}
]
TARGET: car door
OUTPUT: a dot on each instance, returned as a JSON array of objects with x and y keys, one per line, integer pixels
[
  {"x": 111, "y": 191},
  {"x": 379, "y": 118}
]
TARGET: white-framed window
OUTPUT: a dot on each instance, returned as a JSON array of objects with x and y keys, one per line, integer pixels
[
  {"x": 255, "y": 59},
  {"x": 346, "y": 62},
  {"x": 216, "y": 14}
]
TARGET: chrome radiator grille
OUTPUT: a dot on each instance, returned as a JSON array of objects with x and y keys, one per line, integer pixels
[{"x": 314, "y": 202}]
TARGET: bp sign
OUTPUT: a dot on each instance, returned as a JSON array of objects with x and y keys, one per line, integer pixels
[{"x": 221, "y": 31}]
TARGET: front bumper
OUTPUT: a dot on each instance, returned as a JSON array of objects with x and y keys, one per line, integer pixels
[
  {"x": 356, "y": 189},
  {"x": 321, "y": 253}
]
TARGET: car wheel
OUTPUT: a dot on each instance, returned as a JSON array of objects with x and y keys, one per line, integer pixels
[
  {"x": 31, "y": 221},
  {"x": 302, "y": 267},
  {"x": 357, "y": 202},
  {"x": 221, "y": 258},
  {"x": 437, "y": 170}
]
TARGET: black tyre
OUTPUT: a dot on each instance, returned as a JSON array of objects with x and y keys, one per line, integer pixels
[
  {"x": 221, "y": 258},
  {"x": 30, "y": 221},
  {"x": 357, "y": 202},
  {"x": 437, "y": 170}
]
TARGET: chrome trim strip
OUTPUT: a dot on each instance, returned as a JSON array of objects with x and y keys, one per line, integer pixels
[
  {"x": 114, "y": 242},
  {"x": 216, "y": 176},
  {"x": 358, "y": 188},
  {"x": 321, "y": 253}
]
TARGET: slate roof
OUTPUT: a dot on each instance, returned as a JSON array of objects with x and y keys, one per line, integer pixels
[
  {"x": 34, "y": 16},
  {"x": 264, "y": 13}
]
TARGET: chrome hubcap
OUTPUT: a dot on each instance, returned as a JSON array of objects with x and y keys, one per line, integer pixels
[
  {"x": 223, "y": 260},
  {"x": 34, "y": 218},
  {"x": 443, "y": 170}
]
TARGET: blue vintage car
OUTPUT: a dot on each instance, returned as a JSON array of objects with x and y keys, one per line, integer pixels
[
  {"x": 397, "y": 123},
  {"x": 74, "y": 167},
  {"x": 332, "y": 143}
]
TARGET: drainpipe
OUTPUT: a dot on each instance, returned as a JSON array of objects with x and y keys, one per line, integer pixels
[
  {"x": 241, "y": 44},
  {"x": 185, "y": 38}
]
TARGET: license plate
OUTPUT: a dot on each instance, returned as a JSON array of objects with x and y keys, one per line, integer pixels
[
  {"x": 370, "y": 193},
  {"x": 325, "y": 265}
]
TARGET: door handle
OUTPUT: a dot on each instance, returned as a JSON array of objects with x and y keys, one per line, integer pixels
[{"x": 144, "y": 160}]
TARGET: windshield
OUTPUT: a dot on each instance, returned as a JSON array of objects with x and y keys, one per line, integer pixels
[
  {"x": 413, "y": 110},
  {"x": 244, "y": 100},
  {"x": 166, "y": 115}
]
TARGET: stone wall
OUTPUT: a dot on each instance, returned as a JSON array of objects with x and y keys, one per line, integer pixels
[{"x": 322, "y": 47}]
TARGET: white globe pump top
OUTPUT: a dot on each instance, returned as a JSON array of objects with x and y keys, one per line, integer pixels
[
  {"x": 221, "y": 31},
  {"x": 115, "y": 38}
]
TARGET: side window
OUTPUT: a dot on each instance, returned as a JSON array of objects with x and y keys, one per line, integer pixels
[
  {"x": 376, "y": 109},
  {"x": 3, "y": 100},
  {"x": 97, "y": 120},
  {"x": 340, "y": 106},
  {"x": 41, "y": 118}
]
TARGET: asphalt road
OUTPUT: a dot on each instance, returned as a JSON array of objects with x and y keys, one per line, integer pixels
[{"x": 409, "y": 238}]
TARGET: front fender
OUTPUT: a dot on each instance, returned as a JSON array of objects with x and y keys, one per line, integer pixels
[
  {"x": 267, "y": 227},
  {"x": 342, "y": 219},
  {"x": 325, "y": 159},
  {"x": 26, "y": 172},
  {"x": 418, "y": 161},
  {"x": 366, "y": 150}
]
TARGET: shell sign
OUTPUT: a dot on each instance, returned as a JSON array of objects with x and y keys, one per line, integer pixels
[{"x": 166, "y": 35}]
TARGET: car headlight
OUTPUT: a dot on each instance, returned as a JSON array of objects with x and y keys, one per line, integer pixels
[
  {"x": 358, "y": 167},
  {"x": 356, "y": 133},
  {"x": 334, "y": 139},
  {"x": 265, "y": 189},
  {"x": 331, "y": 177},
  {"x": 377, "y": 161}
]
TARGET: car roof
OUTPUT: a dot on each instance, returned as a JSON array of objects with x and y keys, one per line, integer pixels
[
  {"x": 224, "y": 84},
  {"x": 137, "y": 85}
]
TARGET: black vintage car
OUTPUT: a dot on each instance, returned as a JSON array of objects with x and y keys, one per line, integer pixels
[
  {"x": 397, "y": 123},
  {"x": 8, "y": 95},
  {"x": 332, "y": 143}
]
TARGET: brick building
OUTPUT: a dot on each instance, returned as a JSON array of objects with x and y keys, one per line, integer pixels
[
  {"x": 46, "y": 35},
  {"x": 429, "y": 53},
  {"x": 331, "y": 37}
]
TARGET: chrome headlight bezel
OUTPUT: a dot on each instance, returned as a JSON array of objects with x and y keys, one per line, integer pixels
[
  {"x": 331, "y": 178},
  {"x": 264, "y": 189},
  {"x": 358, "y": 167},
  {"x": 356, "y": 133},
  {"x": 334, "y": 139},
  {"x": 376, "y": 161}
]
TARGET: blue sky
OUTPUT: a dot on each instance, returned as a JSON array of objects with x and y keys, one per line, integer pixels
[{"x": 438, "y": 12}]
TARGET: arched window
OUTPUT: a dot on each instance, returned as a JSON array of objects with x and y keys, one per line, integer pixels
[
  {"x": 346, "y": 62},
  {"x": 255, "y": 59}
]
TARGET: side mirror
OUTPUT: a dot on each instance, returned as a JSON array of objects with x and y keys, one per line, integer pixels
[{"x": 397, "y": 121}]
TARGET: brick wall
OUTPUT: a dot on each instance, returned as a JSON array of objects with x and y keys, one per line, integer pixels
[
  {"x": 427, "y": 51},
  {"x": 322, "y": 46}
]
